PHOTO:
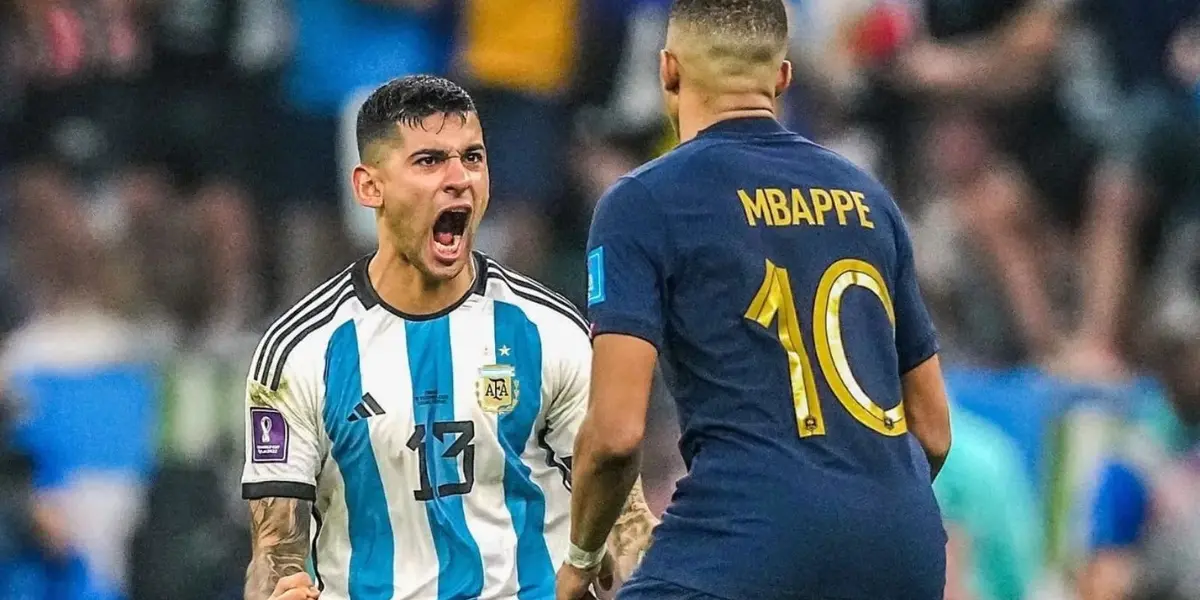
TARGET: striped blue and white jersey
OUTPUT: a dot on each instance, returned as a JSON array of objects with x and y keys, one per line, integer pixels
[{"x": 436, "y": 449}]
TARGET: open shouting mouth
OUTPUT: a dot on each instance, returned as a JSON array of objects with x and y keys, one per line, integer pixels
[{"x": 449, "y": 229}]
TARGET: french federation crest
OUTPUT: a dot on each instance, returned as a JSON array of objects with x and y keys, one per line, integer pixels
[{"x": 497, "y": 388}]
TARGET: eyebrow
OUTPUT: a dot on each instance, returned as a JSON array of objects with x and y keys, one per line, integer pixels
[{"x": 441, "y": 154}]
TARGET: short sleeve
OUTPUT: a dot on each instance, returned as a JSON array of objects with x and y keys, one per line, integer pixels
[
  {"x": 572, "y": 385},
  {"x": 916, "y": 339},
  {"x": 283, "y": 434},
  {"x": 1119, "y": 509},
  {"x": 626, "y": 264}
]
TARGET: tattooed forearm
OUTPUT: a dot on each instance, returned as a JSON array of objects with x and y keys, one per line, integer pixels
[
  {"x": 633, "y": 531},
  {"x": 279, "y": 543}
]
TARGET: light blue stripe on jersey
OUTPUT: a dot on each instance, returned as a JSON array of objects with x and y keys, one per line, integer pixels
[
  {"x": 526, "y": 502},
  {"x": 460, "y": 565},
  {"x": 372, "y": 544}
]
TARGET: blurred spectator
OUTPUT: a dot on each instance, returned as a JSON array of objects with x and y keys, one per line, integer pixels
[
  {"x": 212, "y": 64},
  {"x": 340, "y": 48},
  {"x": 519, "y": 60},
  {"x": 1025, "y": 150},
  {"x": 84, "y": 391},
  {"x": 73, "y": 64},
  {"x": 183, "y": 521},
  {"x": 1144, "y": 514},
  {"x": 1149, "y": 139},
  {"x": 998, "y": 141},
  {"x": 992, "y": 520}
]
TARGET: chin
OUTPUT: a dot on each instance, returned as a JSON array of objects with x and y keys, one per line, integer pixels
[{"x": 439, "y": 266}]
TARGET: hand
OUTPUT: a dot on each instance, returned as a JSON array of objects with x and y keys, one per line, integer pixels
[
  {"x": 575, "y": 584},
  {"x": 298, "y": 586}
]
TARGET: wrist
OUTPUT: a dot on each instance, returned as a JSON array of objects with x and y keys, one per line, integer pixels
[{"x": 585, "y": 560}]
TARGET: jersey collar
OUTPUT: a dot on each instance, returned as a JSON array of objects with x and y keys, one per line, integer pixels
[
  {"x": 745, "y": 126},
  {"x": 370, "y": 298}
]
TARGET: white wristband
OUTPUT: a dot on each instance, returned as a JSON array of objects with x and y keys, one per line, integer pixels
[{"x": 582, "y": 559}]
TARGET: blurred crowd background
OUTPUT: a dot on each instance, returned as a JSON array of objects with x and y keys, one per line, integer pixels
[{"x": 173, "y": 173}]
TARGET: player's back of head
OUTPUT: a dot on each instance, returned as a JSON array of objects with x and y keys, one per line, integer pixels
[
  {"x": 728, "y": 43},
  {"x": 407, "y": 101}
]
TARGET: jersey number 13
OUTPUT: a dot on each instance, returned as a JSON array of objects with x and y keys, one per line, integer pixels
[
  {"x": 774, "y": 302},
  {"x": 464, "y": 432}
]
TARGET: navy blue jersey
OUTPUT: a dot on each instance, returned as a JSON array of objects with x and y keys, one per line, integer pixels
[{"x": 776, "y": 280}]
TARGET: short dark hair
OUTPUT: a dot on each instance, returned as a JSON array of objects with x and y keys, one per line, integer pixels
[
  {"x": 762, "y": 23},
  {"x": 408, "y": 101}
]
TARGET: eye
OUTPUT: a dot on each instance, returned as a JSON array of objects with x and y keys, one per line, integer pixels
[
  {"x": 474, "y": 156},
  {"x": 427, "y": 161}
]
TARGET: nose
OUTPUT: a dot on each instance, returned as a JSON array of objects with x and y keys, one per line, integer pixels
[{"x": 458, "y": 178}]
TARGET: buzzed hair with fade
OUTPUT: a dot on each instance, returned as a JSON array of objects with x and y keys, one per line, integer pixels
[
  {"x": 751, "y": 31},
  {"x": 408, "y": 101}
]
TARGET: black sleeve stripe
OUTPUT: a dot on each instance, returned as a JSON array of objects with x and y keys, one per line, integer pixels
[
  {"x": 277, "y": 357},
  {"x": 279, "y": 489},
  {"x": 564, "y": 305},
  {"x": 535, "y": 296},
  {"x": 277, "y": 371},
  {"x": 578, "y": 322},
  {"x": 295, "y": 317},
  {"x": 574, "y": 319},
  {"x": 294, "y": 312},
  {"x": 552, "y": 461},
  {"x": 316, "y": 534},
  {"x": 528, "y": 281},
  {"x": 533, "y": 284}
]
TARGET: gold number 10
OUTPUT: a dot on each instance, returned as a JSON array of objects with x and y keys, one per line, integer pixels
[{"x": 774, "y": 302}]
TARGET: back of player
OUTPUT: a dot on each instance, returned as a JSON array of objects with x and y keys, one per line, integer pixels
[
  {"x": 793, "y": 313},
  {"x": 776, "y": 281}
]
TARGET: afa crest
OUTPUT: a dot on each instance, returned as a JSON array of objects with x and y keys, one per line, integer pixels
[{"x": 497, "y": 388}]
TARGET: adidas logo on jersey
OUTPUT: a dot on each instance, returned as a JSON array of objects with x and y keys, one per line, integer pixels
[{"x": 368, "y": 407}]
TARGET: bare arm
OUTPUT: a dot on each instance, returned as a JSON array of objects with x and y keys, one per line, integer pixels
[
  {"x": 631, "y": 535},
  {"x": 927, "y": 411},
  {"x": 995, "y": 66},
  {"x": 607, "y": 448},
  {"x": 279, "y": 543}
]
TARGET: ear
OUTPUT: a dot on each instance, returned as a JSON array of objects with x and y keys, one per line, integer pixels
[
  {"x": 784, "y": 79},
  {"x": 366, "y": 187},
  {"x": 668, "y": 71}
]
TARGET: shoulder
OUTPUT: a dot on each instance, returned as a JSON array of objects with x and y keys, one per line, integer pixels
[
  {"x": 666, "y": 169},
  {"x": 299, "y": 336},
  {"x": 556, "y": 317}
]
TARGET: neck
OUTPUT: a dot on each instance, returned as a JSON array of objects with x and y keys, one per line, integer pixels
[
  {"x": 406, "y": 288},
  {"x": 698, "y": 111}
]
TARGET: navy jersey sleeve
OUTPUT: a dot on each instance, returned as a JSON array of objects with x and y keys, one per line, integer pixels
[
  {"x": 626, "y": 262},
  {"x": 916, "y": 339}
]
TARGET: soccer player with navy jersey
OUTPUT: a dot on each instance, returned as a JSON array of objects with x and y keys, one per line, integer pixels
[
  {"x": 774, "y": 282},
  {"x": 416, "y": 414}
]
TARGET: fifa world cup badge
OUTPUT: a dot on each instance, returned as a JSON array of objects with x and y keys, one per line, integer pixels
[{"x": 497, "y": 388}]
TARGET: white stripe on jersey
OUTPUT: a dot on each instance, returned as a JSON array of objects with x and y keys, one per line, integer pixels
[
  {"x": 487, "y": 516},
  {"x": 269, "y": 353},
  {"x": 385, "y": 374}
]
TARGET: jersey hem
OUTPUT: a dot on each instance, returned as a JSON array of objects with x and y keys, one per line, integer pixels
[
  {"x": 279, "y": 489},
  {"x": 929, "y": 347},
  {"x": 630, "y": 327}
]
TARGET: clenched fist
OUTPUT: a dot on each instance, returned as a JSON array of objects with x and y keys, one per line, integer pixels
[{"x": 296, "y": 587}]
